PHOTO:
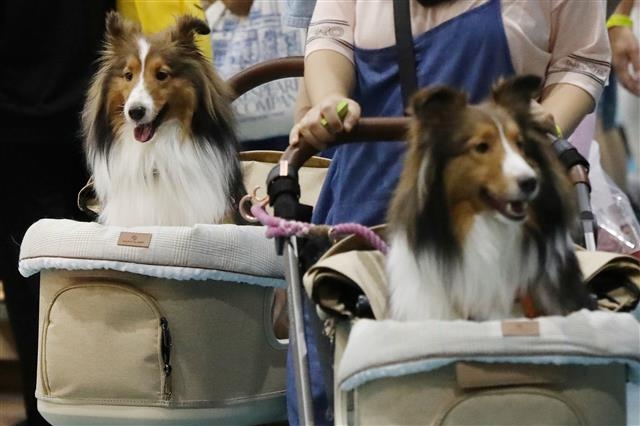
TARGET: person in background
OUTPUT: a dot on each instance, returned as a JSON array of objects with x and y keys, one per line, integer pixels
[
  {"x": 625, "y": 48},
  {"x": 297, "y": 13},
  {"x": 618, "y": 173},
  {"x": 467, "y": 44},
  {"x": 244, "y": 33},
  {"x": 625, "y": 61},
  {"x": 612, "y": 138},
  {"x": 48, "y": 51},
  {"x": 626, "y": 66}
]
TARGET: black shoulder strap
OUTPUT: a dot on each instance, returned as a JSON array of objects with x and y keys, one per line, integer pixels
[{"x": 404, "y": 48}]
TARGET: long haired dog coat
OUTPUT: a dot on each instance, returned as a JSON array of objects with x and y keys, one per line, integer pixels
[
  {"x": 482, "y": 212},
  {"x": 159, "y": 131}
]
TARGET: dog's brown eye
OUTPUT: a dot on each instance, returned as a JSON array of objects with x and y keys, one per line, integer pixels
[
  {"x": 520, "y": 145},
  {"x": 482, "y": 147},
  {"x": 161, "y": 75},
  {"x": 128, "y": 76}
]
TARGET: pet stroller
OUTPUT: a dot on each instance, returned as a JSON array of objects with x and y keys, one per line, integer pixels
[
  {"x": 550, "y": 370},
  {"x": 161, "y": 325}
]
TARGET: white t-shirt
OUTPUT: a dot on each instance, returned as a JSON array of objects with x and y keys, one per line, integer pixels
[{"x": 563, "y": 41}]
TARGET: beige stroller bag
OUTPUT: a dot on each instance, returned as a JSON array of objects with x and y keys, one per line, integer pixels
[
  {"x": 551, "y": 371},
  {"x": 156, "y": 325},
  {"x": 575, "y": 370}
]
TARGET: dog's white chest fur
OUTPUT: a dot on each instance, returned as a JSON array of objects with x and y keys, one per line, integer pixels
[
  {"x": 494, "y": 268},
  {"x": 166, "y": 181}
]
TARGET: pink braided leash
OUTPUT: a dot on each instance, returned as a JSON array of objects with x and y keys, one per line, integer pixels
[{"x": 278, "y": 227}]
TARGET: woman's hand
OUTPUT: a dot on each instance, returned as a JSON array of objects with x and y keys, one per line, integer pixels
[
  {"x": 543, "y": 117},
  {"x": 315, "y": 131},
  {"x": 563, "y": 105},
  {"x": 625, "y": 51}
]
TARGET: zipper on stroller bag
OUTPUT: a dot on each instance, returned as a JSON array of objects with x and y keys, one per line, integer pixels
[{"x": 165, "y": 348}]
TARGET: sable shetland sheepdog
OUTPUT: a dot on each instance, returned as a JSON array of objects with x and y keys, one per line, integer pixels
[
  {"x": 158, "y": 128},
  {"x": 482, "y": 212}
]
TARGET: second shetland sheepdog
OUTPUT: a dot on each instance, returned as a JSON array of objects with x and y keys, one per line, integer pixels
[
  {"x": 482, "y": 212},
  {"x": 159, "y": 131}
]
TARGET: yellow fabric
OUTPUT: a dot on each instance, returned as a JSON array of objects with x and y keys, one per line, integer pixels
[{"x": 156, "y": 15}]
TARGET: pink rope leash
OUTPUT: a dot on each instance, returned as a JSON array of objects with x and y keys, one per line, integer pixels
[{"x": 278, "y": 227}]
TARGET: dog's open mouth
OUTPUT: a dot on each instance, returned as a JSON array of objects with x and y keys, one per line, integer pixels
[
  {"x": 511, "y": 209},
  {"x": 144, "y": 132}
]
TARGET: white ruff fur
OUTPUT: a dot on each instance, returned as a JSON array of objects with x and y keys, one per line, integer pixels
[
  {"x": 168, "y": 181},
  {"x": 483, "y": 286}
]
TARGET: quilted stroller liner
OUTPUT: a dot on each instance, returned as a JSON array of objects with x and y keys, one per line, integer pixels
[
  {"x": 552, "y": 370},
  {"x": 162, "y": 325},
  {"x": 580, "y": 369}
]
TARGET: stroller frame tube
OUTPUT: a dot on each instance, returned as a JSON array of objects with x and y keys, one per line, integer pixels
[
  {"x": 586, "y": 216},
  {"x": 296, "y": 332}
]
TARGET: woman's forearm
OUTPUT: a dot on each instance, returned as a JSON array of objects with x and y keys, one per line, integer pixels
[
  {"x": 624, "y": 7},
  {"x": 329, "y": 78},
  {"x": 326, "y": 73},
  {"x": 303, "y": 104},
  {"x": 568, "y": 104}
]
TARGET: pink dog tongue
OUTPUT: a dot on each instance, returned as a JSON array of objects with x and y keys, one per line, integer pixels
[{"x": 143, "y": 132}]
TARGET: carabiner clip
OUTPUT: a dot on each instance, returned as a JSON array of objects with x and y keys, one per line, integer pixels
[{"x": 251, "y": 199}]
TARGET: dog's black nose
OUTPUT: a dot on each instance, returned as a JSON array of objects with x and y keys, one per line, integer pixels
[
  {"x": 136, "y": 113},
  {"x": 528, "y": 185}
]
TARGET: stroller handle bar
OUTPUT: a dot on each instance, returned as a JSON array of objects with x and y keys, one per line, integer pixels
[{"x": 367, "y": 129}]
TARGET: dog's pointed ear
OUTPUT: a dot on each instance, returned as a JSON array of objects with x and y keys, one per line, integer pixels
[
  {"x": 436, "y": 105},
  {"x": 116, "y": 27},
  {"x": 517, "y": 92},
  {"x": 187, "y": 27}
]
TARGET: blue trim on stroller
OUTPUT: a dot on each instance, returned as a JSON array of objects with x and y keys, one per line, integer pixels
[{"x": 33, "y": 266}]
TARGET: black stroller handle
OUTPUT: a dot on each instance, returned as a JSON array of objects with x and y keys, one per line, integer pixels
[
  {"x": 367, "y": 129},
  {"x": 282, "y": 183},
  {"x": 578, "y": 169}
]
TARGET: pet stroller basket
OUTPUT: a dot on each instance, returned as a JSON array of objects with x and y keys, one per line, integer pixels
[
  {"x": 550, "y": 370},
  {"x": 553, "y": 370},
  {"x": 161, "y": 325},
  {"x": 155, "y": 325}
]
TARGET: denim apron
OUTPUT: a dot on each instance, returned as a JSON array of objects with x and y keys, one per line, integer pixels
[{"x": 469, "y": 52}]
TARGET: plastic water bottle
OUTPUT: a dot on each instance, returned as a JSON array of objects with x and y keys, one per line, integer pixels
[{"x": 619, "y": 230}]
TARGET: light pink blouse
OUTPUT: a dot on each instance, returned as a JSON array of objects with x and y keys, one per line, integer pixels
[{"x": 564, "y": 41}]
